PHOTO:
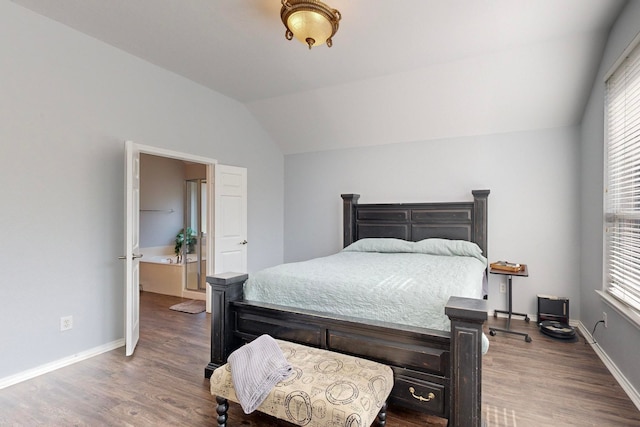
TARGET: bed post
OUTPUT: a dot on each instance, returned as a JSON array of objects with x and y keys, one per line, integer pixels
[
  {"x": 225, "y": 288},
  {"x": 349, "y": 201},
  {"x": 480, "y": 208},
  {"x": 465, "y": 401}
]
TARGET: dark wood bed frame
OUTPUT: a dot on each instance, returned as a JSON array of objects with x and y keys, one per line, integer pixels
[{"x": 435, "y": 372}]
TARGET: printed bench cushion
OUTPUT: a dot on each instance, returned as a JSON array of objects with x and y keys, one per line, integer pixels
[{"x": 324, "y": 389}]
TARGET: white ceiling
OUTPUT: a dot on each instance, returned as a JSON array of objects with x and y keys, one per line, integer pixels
[{"x": 398, "y": 71}]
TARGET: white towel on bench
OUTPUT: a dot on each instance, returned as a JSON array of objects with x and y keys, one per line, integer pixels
[{"x": 255, "y": 369}]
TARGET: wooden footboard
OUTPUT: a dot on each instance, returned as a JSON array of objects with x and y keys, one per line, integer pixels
[{"x": 434, "y": 371}]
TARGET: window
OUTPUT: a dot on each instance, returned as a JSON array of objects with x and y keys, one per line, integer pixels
[{"x": 622, "y": 193}]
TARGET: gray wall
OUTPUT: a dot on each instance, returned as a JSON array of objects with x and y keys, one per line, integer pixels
[
  {"x": 162, "y": 187},
  {"x": 621, "y": 340},
  {"x": 68, "y": 104},
  {"x": 533, "y": 205}
]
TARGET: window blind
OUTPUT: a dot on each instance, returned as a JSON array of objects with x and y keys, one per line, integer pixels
[{"x": 622, "y": 194}]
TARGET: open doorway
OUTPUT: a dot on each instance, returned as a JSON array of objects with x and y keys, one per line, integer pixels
[
  {"x": 173, "y": 226},
  {"x": 226, "y": 218},
  {"x": 132, "y": 253}
]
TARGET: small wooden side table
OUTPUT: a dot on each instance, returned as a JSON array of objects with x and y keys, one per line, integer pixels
[{"x": 524, "y": 272}]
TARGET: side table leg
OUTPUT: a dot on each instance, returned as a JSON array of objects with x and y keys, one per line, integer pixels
[
  {"x": 510, "y": 313},
  {"x": 509, "y": 289}
]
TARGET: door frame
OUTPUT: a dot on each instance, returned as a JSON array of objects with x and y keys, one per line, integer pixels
[{"x": 210, "y": 176}]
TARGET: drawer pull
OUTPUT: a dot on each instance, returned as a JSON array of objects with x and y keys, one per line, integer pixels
[{"x": 429, "y": 397}]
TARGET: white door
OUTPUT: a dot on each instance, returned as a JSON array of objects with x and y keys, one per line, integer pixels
[
  {"x": 132, "y": 246},
  {"x": 230, "y": 219}
]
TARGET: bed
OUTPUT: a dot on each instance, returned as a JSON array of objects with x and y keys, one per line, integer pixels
[{"x": 437, "y": 367}]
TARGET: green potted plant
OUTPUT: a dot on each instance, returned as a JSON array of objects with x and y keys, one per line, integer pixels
[{"x": 189, "y": 236}]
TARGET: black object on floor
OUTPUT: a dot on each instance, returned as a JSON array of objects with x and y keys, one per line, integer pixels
[
  {"x": 551, "y": 307},
  {"x": 558, "y": 330}
]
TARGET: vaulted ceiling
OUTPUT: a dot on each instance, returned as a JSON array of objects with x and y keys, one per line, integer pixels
[{"x": 398, "y": 71}]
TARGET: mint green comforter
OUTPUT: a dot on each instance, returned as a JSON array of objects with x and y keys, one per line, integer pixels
[{"x": 380, "y": 279}]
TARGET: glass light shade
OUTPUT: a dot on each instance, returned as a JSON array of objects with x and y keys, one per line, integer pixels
[
  {"x": 310, "y": 21},
  {"x": 306, "y": 24}
]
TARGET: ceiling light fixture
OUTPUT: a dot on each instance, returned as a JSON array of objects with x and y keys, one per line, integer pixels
[{"x": 312, "y": 22}]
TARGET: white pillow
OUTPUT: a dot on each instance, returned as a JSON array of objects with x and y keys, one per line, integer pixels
[
  {"x": 450, "y": 248},
  {"x": 385, "y": 245}
]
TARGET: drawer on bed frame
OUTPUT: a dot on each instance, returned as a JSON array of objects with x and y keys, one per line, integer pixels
[
  {"x": 413, "y": 390},
  {"x": 410, "y": 355},
  {"x": 249, "y": 326}
]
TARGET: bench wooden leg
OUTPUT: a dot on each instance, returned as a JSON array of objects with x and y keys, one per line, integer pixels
[
  {"x": 382, "y": 415},
  {"x": 223, "y": 406}
]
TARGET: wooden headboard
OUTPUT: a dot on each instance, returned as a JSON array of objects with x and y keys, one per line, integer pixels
[{"x": 417, "y": 221}]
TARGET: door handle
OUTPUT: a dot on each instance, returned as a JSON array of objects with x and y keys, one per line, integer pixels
[
  {"x": 244, "y": 242},
  {"x": 133, "y": 257}
]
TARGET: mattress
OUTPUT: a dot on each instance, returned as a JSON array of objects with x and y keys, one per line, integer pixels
[{"x": 389, "y": 280}]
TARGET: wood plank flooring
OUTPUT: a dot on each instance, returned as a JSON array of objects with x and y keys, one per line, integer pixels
[{"x": 542, "y": 383}]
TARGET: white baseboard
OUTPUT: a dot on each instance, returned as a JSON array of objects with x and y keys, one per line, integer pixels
[
  {"x": 622, "y": 380},
  {"x": 57, "y": 364}
]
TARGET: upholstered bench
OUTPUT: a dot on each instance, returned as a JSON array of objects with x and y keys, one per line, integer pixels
[{"x": 324, "y": 389}]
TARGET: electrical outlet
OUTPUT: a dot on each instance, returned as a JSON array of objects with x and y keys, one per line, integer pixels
[
  {"x": 503, "y": 288},
  {"x": 604, "y": 317},
  {"x": 66, "y": 323}
]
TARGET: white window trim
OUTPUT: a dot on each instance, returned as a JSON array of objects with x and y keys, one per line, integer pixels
[
  {"x": 619, "y": 61},
  {"x": 621, "y": 308}
]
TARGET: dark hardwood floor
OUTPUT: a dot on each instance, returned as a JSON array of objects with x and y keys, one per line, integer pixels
[{"x": 542, "y": 383}]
